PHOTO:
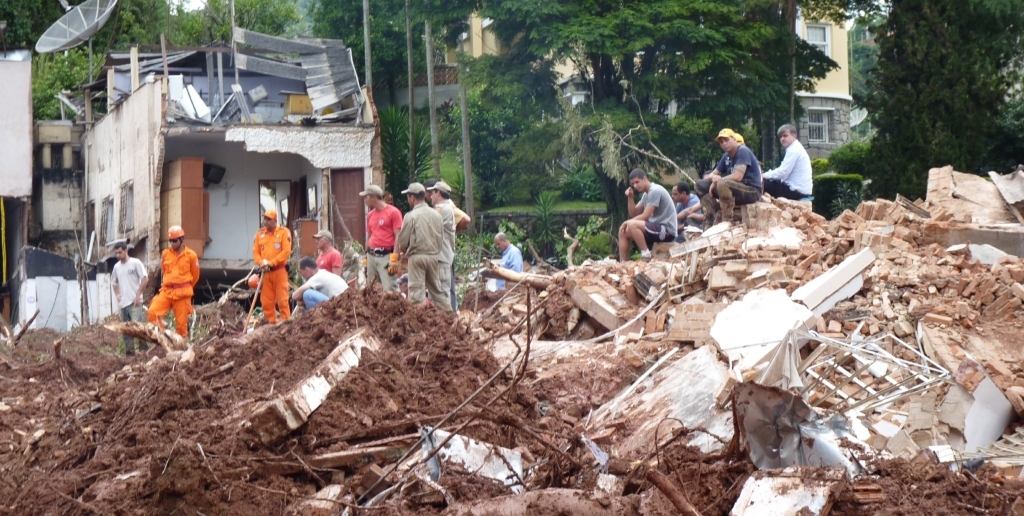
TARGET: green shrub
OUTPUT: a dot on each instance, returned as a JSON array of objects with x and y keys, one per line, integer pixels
[
  {"x": 851, "y": 158},
  {"x": 834, "y": 192},
  {"x": 819, "y": 166},
  {"x": 581, "y": 184}
]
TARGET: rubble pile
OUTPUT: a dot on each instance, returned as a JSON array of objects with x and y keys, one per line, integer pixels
[{"x": 787, "y": 365}]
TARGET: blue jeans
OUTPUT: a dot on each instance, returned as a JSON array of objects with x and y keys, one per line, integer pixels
[
  {"x": 312, "y": 298},
  {"x": 132, "y": 313}
]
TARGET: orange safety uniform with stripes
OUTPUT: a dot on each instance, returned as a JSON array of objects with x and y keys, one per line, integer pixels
[
  {"x": 180, "y": 275},
  {"x": 275, "y": 247}
]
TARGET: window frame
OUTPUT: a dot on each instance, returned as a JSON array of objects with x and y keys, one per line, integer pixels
[
  {"x": 107, "y": 223},
  {"x": 126, "y": 212},
  {"x": 828, "y": 37},
  {"x": 825, "y": 125}
]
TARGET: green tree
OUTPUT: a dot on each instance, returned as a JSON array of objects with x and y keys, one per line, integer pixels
[
  {"x": 213, "y": 22},
  {"x": 337, "y": 19},
  {"x": 938, "y": 86},
  {"x": 54, "y": 73},
  {"x": 863, "y": 54},
  {"x": 27, "y": 20},
  {"x": 722, "y": 63}
]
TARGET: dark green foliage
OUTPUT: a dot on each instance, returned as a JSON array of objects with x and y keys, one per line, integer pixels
[
  {"x": 53, "y": 73},
  {"x": 213, "y": 22},
  {"x": 1008, "y": 151},
  {"x": 852, "y": 158},
  {"x": 544, "y": 229},
  {"x": 580, "y": 184},
  {"x": 937, "y": 88},
  {"x": 863, "y": 54},
  {"x": 836, "y": 191},
  {"x": 394, "y": 145}
]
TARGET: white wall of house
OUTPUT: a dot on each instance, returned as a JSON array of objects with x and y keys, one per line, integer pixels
[
  {"x": 59, "y": 302},
  {"x": 16, "y": 124},
  {"x": 127, "y": 145},
  {"x": 234, "y": 203}
]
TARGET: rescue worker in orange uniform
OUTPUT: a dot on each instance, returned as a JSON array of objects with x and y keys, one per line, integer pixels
[
  {"x": 180, "y": 267},
  {"x": 270, "y": 250}
]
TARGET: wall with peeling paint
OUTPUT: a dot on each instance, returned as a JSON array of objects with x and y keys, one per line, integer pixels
[
  {"x": 323, "y": 146},
  {"x": 128, "y": 144}
]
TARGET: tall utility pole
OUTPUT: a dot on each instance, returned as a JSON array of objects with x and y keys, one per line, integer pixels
[
  {"x": 467, "y": 162},
  {"x": 432, "y": 109},
  {"x": 412, "y": 96},
  {"x": 366, "y": 44}
]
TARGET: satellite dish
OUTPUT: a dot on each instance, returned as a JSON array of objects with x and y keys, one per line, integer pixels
[{"x": 76, "y": 27}]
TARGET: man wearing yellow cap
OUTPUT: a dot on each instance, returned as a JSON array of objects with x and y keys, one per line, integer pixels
[
  {"x": 736, "y": 181},
  {"x": 270, "y": 250}
]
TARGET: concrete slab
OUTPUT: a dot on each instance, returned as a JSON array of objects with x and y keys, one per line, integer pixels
[
  {"x": 771, "y": 312},
  {"x": 683, "y": 389},
  {"x": 816, "y": 291},
  {"x": 784, "y": 494}
]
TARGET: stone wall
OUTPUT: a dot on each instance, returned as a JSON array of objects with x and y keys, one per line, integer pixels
[{"x": 838, "y": 125}]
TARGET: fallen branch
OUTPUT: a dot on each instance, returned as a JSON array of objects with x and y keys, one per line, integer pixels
[
  {"x": 167, "y": 339},
  {"x": 536, "y": 257},
  {"x": 572, "y": 248},
  {"x": 24, "y": 328},
  {"x": 536, "y": 281},
  {"x": 671, "y": 492}
]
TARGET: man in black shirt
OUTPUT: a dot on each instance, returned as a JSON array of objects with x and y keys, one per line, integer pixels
[{"x": 736, "y": 181}]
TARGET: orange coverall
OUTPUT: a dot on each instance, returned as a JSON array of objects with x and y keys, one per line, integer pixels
[
  {"x": 181, "y": 273},
  {"x": 274, "y": 247}
]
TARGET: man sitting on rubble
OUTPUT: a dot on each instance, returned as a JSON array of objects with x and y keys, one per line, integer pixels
[
  {"x": 736, "y": 181},
  {"x": 792, "y": 179},
  {"x": 688, "y": 209},
  {"x": 320, "y": 285},
  {"x": 511, "y": 257},
  {"x": 652, "y": 220}
]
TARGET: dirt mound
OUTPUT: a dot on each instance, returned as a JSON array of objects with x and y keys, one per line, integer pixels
[{"x": 165, "y": 435}]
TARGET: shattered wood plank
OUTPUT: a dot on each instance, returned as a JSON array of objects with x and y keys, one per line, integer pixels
[
  {"x": 356, "y": 458},
  {"x": 270, "y": 421},
  {"x": 265, "y": 42},
  {"x": 167, "y": 339},
  {"x": 268, "y": 67}
]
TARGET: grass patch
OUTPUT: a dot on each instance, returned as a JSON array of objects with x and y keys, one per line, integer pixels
[{"x": 560, "y": 206}]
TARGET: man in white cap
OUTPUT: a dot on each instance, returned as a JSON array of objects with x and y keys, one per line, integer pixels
[
  {"x": 420, "y": 240},
  {"x": 327, "y": 257},
  {"x": 440, "y": 197},
  {"x": 383, "y": 224}
]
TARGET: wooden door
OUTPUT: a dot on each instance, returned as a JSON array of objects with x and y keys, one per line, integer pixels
[{"x": 345, "y": 187}]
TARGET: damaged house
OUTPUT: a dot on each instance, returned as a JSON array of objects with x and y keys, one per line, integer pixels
[{"x": 209, "y": 142}]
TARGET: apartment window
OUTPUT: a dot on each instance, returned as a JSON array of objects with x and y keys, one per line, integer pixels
[
  {"x": 818, "y": 35},
  {"x": 127, "y": 214},
  {"x": 107, "y": 220},
  {"x": 817, "y": 126}
]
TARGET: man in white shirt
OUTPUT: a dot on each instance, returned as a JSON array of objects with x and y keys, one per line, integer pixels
[
  {"x": 129, "y": 278},
  {"x": 792, "y": 180},
  {"x": 320, "y": 284}
]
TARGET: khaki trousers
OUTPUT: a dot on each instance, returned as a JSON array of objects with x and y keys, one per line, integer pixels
[
  {"x": 377, "y": 266},
  {"x": 424, "y": 278}
]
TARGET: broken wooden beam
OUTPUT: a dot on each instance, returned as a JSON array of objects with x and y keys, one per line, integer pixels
[
  {"x": 24, "y": 328},
  {"x": 536, "y": 281},
  {"x": 167, "y": 339},
  {"x": 357, "y": 457},
  {"x": 673, "y": 493},
  {"x": 271, "y": 421}
]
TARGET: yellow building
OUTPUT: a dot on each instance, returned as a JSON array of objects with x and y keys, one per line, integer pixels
[
  {"x": 478, "y": 41},
  {"x": 825, "y": 124}
]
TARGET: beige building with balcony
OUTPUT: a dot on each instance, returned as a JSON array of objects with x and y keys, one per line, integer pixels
[{"x": 825, "y": 124}]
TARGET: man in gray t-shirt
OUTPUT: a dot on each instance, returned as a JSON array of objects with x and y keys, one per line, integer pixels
[
  {"x": 652, "y": 220},
  {"x": 129, "y": 278}
]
